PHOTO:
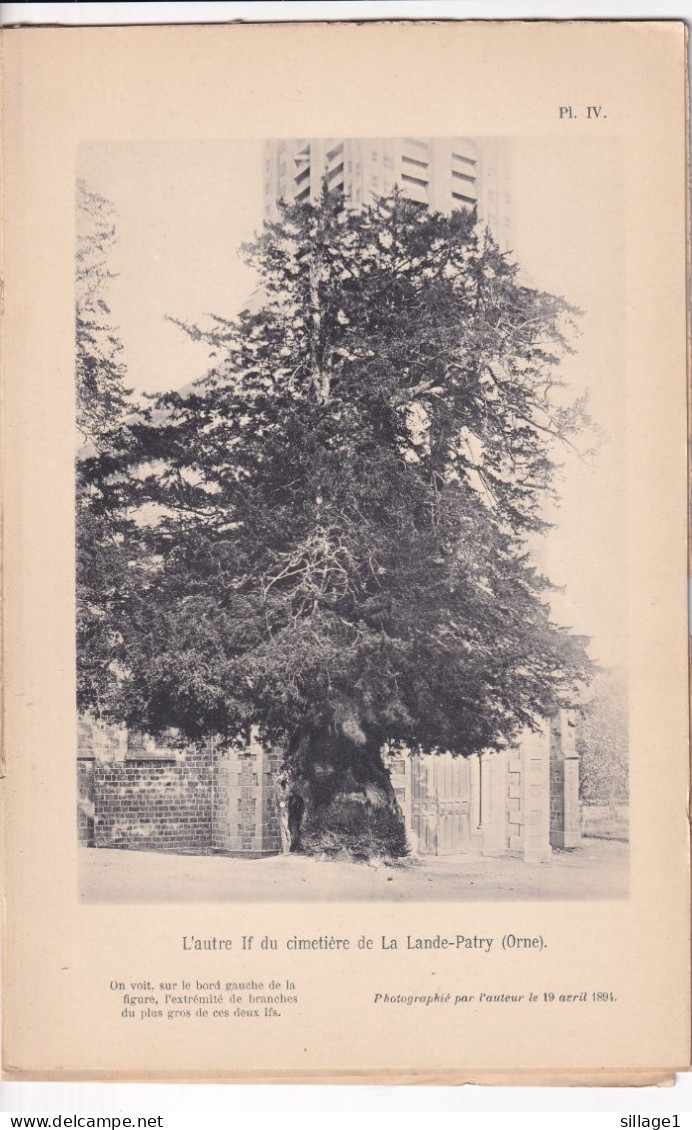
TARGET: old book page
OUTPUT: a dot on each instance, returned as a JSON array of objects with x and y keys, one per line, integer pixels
[{"x": 346, "y": 709}]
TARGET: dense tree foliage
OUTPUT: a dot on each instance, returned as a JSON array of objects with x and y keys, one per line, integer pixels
[
  {"x": 331, "y": 535},
  {"x": 602, "y": 743},
  {"x": 102, "y": 523}
]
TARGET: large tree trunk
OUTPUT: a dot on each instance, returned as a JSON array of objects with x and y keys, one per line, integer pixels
[{"x": 336, "y": 797}]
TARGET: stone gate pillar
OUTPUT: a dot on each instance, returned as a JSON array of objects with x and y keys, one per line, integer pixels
[
  {"x": 493, "y": 782},
  {"x": 528, "y": 797},
  {"x": 564, "y": 782},
  {"x": 244, "y": 812}
]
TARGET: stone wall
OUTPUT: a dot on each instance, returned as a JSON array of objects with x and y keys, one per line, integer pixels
[
  {"x": 134, "y": 793},
  {"x": 528, "y": 797},
  {"x": 154, "y": 805},
  {"x": 100, "y": 740}
]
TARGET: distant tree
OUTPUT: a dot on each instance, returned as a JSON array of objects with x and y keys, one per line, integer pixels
[
  {"x": 337, "y": 550},
  {"x": 602, "y": 742},
  {"x": 100, "y": 373},
  {"x": 102, "y": 401}
]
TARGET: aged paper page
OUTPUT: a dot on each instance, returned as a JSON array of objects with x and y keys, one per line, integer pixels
[{"x": 538, "y": 928}]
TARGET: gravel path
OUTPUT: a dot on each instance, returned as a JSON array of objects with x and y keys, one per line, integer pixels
[{"x": 597, "y": 870}]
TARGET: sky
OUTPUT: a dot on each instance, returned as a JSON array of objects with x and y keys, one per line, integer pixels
[{"x": 185, "y": 207}]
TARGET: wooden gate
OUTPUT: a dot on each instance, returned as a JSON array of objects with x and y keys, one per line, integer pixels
[{"x": 440, "y": 804}]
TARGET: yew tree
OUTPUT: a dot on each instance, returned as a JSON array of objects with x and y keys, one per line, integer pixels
[{"x": 333, "y": 531}]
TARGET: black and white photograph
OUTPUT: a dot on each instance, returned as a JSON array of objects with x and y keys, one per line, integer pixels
[
  {"x": 350, "y": 572},
  {"x": 346, "y": 696}
]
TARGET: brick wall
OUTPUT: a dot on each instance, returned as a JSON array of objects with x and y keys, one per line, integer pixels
[{"x": 154, "y": 805}]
